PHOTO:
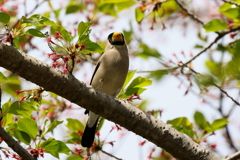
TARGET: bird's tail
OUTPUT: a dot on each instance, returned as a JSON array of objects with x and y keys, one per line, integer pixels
[{"x": 89, "y": 135}]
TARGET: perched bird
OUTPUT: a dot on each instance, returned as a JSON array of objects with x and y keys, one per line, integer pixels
[{"x": 109, "y": 76}]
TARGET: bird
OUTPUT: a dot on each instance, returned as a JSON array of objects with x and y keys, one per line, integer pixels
[{"x": 109, "y": 76}]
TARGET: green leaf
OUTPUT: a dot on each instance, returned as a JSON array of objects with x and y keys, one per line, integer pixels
[
  {"x": 124, "y": 5},
  {"x": 200, "y": 120},
  {"x": 16, "y": 42},
  {"x": 5, "y": 18},
  {"x": 93, "y": 48},
  {"x": 29, "y": 126},
  {"x": 23, "y": 109},
  {"x": 7, "y": 117},
  {"x": 181, "y": 121},
  {"x": 219, "y": 124},
  {"x": 158, "y": 74},
  {"x": 35, "y": 32},
  {"x": 53, "y": 125},
  {"x": 3, "y": 78},
  {"x": 128, "y": 78},
  {"x": 20, "y": 135},
  {"x": 183, "y": 125},
  {"x": 66, "y": 35},
  {"x": 139, "y": 14},
  {"x": 140, "y": 82},
  {"x": 108, "y": 8},
  {"x": 224, "y": 7},
  {"x": 233, "y": 13},
  {"x": 54, "y": 147},
  {"x": 74, "y": 125},
  {"x": 37, "y": 20},
  {"x": 84, "y": 28},
  {"x": 146, "y": 52},
  {"x": 75, "y": 157},
  {"x": 204, "y": 80},
  {"x": 72, "y": 9},
  {"x": 215, "y": 25},
  {"x": 215, "y": 68}
]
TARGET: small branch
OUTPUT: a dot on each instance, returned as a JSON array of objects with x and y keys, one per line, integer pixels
[
  {"x": 110, "y": 155},
  {"x": 220, "y": 35},
  {"x": 236, "y": 102},
  {"x": 235, "y": 156},
  {"x": 189, "y": 14},
  {"x": 15, "y": 145},
  {"x": 230, "y": 2}
]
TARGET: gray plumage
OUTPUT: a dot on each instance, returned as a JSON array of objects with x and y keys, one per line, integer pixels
[{"x": 109, "y": 76}]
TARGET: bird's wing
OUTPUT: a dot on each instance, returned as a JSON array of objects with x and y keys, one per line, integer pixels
[{"x": 96, "y": 68}]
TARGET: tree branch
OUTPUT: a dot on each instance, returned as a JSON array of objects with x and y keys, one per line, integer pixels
[
  {"x": 235, "y": 156},
  {"x": 102, "y": 104},
  {"x": 230, "y": 2},
  {"x": 188, "y": 13},
  {"x": 220, "y": 35},
  {"x": 15, "y": 145}
]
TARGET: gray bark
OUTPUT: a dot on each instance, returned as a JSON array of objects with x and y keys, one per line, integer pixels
[{"x": 102, "y": 104}]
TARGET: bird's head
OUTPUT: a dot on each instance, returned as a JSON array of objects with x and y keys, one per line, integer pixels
[{"x": 116, "y": 38}]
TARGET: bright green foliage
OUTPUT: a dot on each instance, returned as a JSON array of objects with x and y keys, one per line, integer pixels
[
  {"x": 29, "y": 126},
  {"x": 54, "y": 147},
  {"x": 35, "y": 32},
  {"x": 11, "y": 86},
  {"x": 147, "y": 52},
  {"x": 205, "y": 80},
  {"x": 17, "y": 133},
  {"x": 183, "y": 125},
  {"x": 23, "y": 109},
  {"x": 74, "y": 125},
  {"x": 73, "y": 8},
  {"x": 139, "y": 14},
  {"x": 203, "y": 129},
  {"x": 158, "y": 74},
  {"x": 50, "y": 128},
  {"x": 136, "y": 86},
  {"x": 215, "y": 25},
  {"x": 5, "y": 18},
  {"x": 75, "y": 157},
  {"x": 112, "y": 7},
  {"x": 3, "y": 78},
  {"x": 7, "y": 117}
]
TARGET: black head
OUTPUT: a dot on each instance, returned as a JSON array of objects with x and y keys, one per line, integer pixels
[{"x": 116, "y": 38}]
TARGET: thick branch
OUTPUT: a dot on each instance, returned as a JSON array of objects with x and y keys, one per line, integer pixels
[
  {"x": 15, "y": 145},
  {"x": 102, "y": 104},
  {"x": 235, "y": 156}
]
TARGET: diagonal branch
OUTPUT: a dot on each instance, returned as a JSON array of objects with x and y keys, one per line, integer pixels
[
  {"x": 220, "y": 35},
  {"x": 230, "y": 2},
  {"x": 235, "y": 156},
  {"x": 15, "y": 145},
  {"x": 102, "y": 104},
  {"x": 188, "y": 13}
]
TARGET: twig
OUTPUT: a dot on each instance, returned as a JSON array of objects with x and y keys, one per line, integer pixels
[
  {"x": 235, "y": 156},
  {"x": 236, "y": 102},
  {"x": 233, "y": 106},
  {"x": 110, "y": 155},
  {"x": 15, "y": 145},
  {"x": 230, "y": 2},
  {"x": 189, "y": 14},
  {"x": 220, "y": 35}
]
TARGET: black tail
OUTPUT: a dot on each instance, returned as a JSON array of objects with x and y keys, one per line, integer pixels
[{"x": 89, "y": 135}]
